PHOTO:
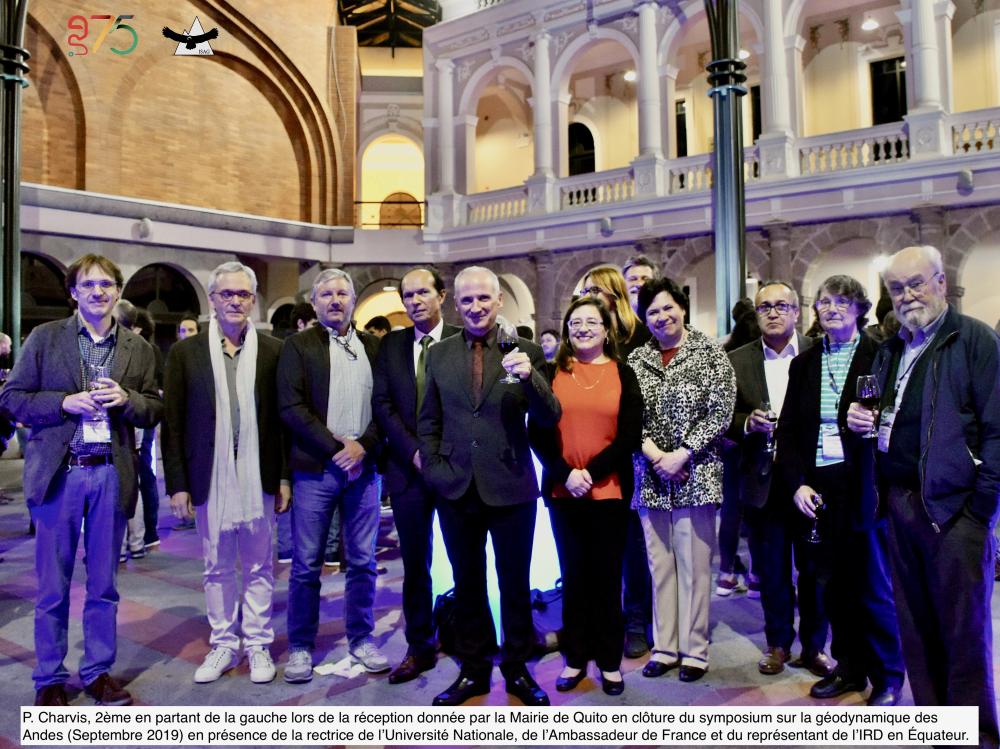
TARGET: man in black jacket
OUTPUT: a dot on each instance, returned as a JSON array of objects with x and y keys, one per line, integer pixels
[
  {"x": 223, "y": 464},
  {"x": 400, "y": 378},
  {"x": 938, "y": 475}
]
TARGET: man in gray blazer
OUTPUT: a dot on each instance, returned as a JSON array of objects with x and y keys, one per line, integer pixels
[
  {"x": 475, "y": 455},
  {"x": 83, "y": 384},
  {"x": 761, "y": 377}
]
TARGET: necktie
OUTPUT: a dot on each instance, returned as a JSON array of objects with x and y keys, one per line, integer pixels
[
  {"x": 425, "y": 343},
  {"x": 477, "y": 371}
]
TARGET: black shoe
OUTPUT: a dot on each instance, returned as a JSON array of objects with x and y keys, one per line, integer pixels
[
  {"x": 818, "y": 664},
  {"x": 655, "y": 669},
  {"x": 525, "y": 689},
  {"x": 411, "y": 667},
  {"x": 636, "y": 645},
  {"x": 884, "y": 697},
  {"x": 107, "y": 691},
  {"x": 464, "y": 688},
  {"x": 835, "y": 685},
  {"x": 691, "y": 673},
  {"x": 614, "y": 688},
  {"x": 54, "y": 695},
  {"x": 569, "y": 683}
]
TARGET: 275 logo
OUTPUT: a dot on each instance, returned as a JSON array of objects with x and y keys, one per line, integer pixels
[{"x": 80, "y": 23}]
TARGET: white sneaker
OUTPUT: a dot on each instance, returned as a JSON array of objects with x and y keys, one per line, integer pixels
[
  {"x": 299, "y": 667},
  {"x": 370, "y": 657},
  {"x": 261, "y": 665},
  {"x": 217, "y": 662}
]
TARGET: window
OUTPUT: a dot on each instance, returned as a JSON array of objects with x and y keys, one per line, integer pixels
[
  {"x": 755, "y": 113},
  {"x": 399, "y": 211},
  {"x": 581, "y": 150},
  {"x": 680, "y": 127},
  {"x": 888, "y": 90}
]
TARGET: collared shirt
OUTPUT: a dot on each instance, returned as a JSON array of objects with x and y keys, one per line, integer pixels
[
  {"x": 836, "y": 363},
  {"x": 93, "y": 352},
  {"x": 776, "y": 366},
  {"x": 232, "y": 362},
  {"x": 914, "y": 345},
  {"x": 435, "y": 336},
  {"x": 349, "y": 405}
]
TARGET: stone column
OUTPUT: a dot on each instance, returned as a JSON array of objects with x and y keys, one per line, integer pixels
[
  {"x": 650, "y": 142},
  {"x": 777, "y": 148},
  {"x": 932, "y": 228},
  {"x": 547, "y": 312},
  {"x": 779, "y": 237},
  {"x": 446, "y": 125},
  {"x": 542, "y": 109},
  {"x": 944, "y": 12},
  {"x": 928, "y": 131},
  {"x": 668, "y": 87}
]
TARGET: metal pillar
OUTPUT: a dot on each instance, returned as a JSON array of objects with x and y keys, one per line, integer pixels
[
  {"x": 13, "y": 15},
  {"x": 725, "y": 74}
]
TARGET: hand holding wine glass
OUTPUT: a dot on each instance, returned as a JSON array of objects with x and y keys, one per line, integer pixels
[
  {"x": 869, "y": 396},
  {"x": 507, "y": 342}
]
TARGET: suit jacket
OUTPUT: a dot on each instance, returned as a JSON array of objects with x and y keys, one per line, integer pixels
[
  {"x": 48, "y": 370},
  {"x": 462, "y": 441},
  {"x": 189, "y": 417},
  {"x": 755, "y": 463},
  {"x": 798, "y": 426},
  {"x": 303, "y": 398},
  {"x": 394, "y": 405}
]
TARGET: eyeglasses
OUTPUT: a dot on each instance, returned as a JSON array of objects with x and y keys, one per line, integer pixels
[
  {"x": 594, "y": 291},
  {"x": 228, "y": 295},
  {"x": 103, "y": 285},
  {"x": 840, "y": 303},
  {"x": 917, "y": 287},
  {"x": 578, "y": 324},
  {"x": 782, "y": 308}
]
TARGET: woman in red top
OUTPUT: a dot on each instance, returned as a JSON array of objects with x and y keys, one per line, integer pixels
[{"x": 587, "y": 483}]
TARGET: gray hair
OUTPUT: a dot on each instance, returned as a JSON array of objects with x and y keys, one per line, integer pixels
[
  {"x": 929, "y": 252},
  {"x": 233, "y": 266},
  {"x": 777, "y": 282},
  {"x": 477, "y": 269},
  {"x": 126, "y": 314},
  {"x": 329, "y": 275}
]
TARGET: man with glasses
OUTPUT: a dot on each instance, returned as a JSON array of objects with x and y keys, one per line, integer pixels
[
  {"x": 84, "y": 384},
  {"x": 636, "y": 271},
  {"x": 325, "y": 392},
  {"x": 761, "y": 378},
  {"x": 223, "y": 464},
  {"x": 937, "y": 459}
]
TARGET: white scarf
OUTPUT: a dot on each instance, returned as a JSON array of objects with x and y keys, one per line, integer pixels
[{"x": 235, "y": 494}]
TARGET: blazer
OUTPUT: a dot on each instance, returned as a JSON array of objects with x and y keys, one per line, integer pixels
[
  {"x": 755, "y": 463},
  {"x": 189, "y": 417},
  {"x": 48, "y": 370},
  {"x": 303, "y": 397},
  {"x": 615, "y": 458},
  {"x": 798, "y": 426},
  {"x": 462, "y": 442},
  {"x": 394, "y": 405}
]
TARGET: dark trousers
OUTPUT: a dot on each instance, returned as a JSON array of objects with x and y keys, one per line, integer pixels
[
  {"x": 464, "y": 524},
  {"x": 853, "y": 576},
  {"x": 147, "y": 485},
  {"x": 776, "y": 536},
  {"x": 638, "y": 587},
  {"x": 730, "y": 514},
  {"x": 590, "y": 540},
  {"x": 943, "y": 584},
  {"x": 413, "y": 513}
]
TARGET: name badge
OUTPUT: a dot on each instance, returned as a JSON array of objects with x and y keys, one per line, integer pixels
[
  {"x": 885, "y": 429},
  {"x": 833, "y": 448},
  {"x": 96, "y": 430}
]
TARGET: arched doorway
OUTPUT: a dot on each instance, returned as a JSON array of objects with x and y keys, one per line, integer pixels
[
  {"x": 400, "y": 211},
  {"x": 43, "y": 292},
  {"x": 581, "y": 149},
  {"x": 167, "y": 294}
]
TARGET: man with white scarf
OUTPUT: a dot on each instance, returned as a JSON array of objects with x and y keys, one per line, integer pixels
[{"x": 223, "y": 464}]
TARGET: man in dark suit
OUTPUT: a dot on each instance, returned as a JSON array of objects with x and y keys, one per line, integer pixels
[
  {"x": 324, "y": 393},
  {"x": 761, "y": 378},
  {"x": 83, "y": 384},
  {"x": 474, "y": 453},
  {"x": 400, "y": 378},
  {"x": 222, "y": 458}
]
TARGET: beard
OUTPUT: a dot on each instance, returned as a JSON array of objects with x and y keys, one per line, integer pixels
[{"x": 921, "y": 316}]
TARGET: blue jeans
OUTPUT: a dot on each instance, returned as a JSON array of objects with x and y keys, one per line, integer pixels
[
  {"x": 87, "y": 496},
  {"x": 284, "y": 524},
  {"x": 315, "y": 497}
]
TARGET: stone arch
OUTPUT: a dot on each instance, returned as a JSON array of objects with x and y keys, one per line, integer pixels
[
  {"x": 478, "y": 81},
  {"x": 693, "y": 9},
  {"x": 571, "y": 273},
  {"x": 813, "y": 241},
  {"x": 273, "y": 307},
  {"x": 523, "y": 298},
  {"x": 973, "y": 226},
  {"x": 562, "y": 71},
  {"x": 595, "y": 132},
  {"x": 406, "y": 127},
  {"x": 196, "y": 285}
]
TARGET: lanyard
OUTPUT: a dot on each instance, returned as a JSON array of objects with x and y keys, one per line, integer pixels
[
  {"x": 901, "y": 378},
  {"x": 829, "y": 355},
  {"x": 104, "y": 362}
]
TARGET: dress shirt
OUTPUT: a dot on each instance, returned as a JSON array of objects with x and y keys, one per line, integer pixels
[
  {"x": 776, "y": 365},
  {"x": 349, "y": 406},
  {"x": 435, "y": 336}
]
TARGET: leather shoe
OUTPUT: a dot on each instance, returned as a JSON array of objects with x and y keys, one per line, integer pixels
[
  {"x": 569, "y": 683},
  {"x": 835, "y": 685},
  {"x": 654, "y": 669},
  {"x": 884, "y": 697},
  {"x": 411, "y": 667},
  {"x": 774, "y": 661},
  {"x": 691, "y": 673},
  {"x": 464, "y": 688},
  {"x": 818, "y": 664},
  {"x": 636, "y": 645},
  {"x": 54, "y": 695},
  {"x": 107, "y": 691},
  {"x": 614, "y": 688},
  {"x": 525, "y": 689}
]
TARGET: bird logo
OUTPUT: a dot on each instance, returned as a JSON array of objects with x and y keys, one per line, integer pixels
[{"x": 194, "y": 41}]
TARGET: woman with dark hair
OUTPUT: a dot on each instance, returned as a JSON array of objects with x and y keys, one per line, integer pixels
[
  {"x": 587, "y": 483},
  {"x": 689, "y": 389},
  {"x": 822, "y": 463}
]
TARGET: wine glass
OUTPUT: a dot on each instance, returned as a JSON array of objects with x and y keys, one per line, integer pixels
[
  {"x": 869, "y": 395},
  {"x": 96, "y": 372},
  {"x": 772, "y": 418},
  {"x": 813, "y": 535},
  {"x": 507, "y": 341}
]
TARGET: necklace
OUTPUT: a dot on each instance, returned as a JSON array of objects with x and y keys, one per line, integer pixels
[{"x": 588, "y": 387}]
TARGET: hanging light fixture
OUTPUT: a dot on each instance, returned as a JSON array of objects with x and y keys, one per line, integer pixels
[
  {"x": 630, "y": 76},
  {"x": 869, "y": 24},
  {"x": 744, "y": 54}
]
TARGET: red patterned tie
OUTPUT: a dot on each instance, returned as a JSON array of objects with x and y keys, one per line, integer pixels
[{"x": 477, "y": 371}]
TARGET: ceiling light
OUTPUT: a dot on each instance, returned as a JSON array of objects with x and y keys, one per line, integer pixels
[
  {"x": 869, "y": 24},
  {"x": 744, "y": 54},
  {"x": 389, "y": 287},
  {"x": 630, "y": 76}
]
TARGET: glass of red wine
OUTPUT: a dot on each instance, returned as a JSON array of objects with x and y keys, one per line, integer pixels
[
  {"x": 813, "y": 536},
  {"x": 772, "y": 419},
  {"x": 507, "y": 341},
  {"x": 869, "y": 395}
]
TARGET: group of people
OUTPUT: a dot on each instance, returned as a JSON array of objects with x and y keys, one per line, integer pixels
[{"x": 886, "y": 509}]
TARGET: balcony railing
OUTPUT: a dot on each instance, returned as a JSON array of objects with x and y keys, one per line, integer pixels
[
  {"x": 854, "y": 149},
  {"x": 598, "y": 188},
  {"x": 975, "y": 132},
  {"x": 693, "y": 174},
  {"x": 496, "y": 205}
]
